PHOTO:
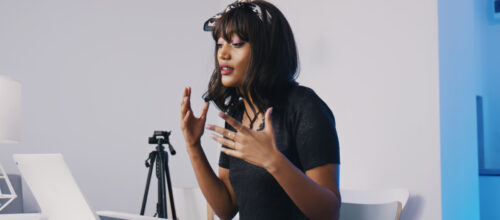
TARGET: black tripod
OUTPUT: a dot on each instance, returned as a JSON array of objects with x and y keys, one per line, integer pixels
[{"x": 161, "y": 158}]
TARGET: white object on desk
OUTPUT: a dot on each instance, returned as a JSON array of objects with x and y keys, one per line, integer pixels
[
  {"x": 120, "y": 215},
  {"x": 10, "y": 105},
  {"x": 26, "y": 216},
  {"x": 56, "y": 191},
  {"x": 53, "y": 186}
]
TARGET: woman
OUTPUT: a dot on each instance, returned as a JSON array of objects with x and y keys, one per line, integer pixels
[{"x": 280, "y": 154}]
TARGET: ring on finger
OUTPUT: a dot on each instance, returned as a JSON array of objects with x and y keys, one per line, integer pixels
[{"x": 231, "y": 135}]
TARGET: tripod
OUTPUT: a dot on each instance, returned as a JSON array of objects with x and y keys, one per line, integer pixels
[{"x": 161, "y": 158}]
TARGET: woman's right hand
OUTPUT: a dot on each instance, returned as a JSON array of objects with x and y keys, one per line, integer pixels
[{"x": 192, "y": 127}]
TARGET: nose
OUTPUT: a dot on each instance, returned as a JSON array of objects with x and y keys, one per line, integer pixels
[{"x": 224, "y": 52}]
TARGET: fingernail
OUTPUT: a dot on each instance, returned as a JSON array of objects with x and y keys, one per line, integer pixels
[
  {"x": 221, "y": 114},
  {"x": 209, "y": 126}
]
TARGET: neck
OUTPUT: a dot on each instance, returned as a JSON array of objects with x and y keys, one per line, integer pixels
[{"x": 249, "y": 104}]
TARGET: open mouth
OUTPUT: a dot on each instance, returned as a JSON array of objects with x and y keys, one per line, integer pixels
[{"x": 226, "y": 70}]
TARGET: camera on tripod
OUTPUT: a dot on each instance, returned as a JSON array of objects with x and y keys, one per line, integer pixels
[{"x": 160, "y": 137}]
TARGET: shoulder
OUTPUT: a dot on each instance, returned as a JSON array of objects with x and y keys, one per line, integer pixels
[
  {"x": 301, "y": 92},
  {"x": 302, "y": 98}
]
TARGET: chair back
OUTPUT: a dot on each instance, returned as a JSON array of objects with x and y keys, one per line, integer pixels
[
  {"x": 190, "y": 204},
  {"x": 384, "y": 211},
  {"x": 375, "y": 196}
]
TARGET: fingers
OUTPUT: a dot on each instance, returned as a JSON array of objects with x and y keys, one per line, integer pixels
[
  {"x": 188, "y": 96},
  {"x": 222, "y": 131},
  {"x": 223, "y": 141},
  {"x": 232, "y": 153},
  {"x": 186, "y": 102},
  {"x": 233, "y": 122},
  {"x": 186, "y": 117},
  {"x": 183, "y": 108},
  {"x": 183, "y": 103}
]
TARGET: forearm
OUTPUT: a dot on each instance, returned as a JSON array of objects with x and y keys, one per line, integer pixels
[
  {"x": 314, "y": 200},
  {"x": 212, "y": 187}
]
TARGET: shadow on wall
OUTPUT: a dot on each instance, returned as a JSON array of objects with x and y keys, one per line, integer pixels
[{"x": 413, "y": 208}]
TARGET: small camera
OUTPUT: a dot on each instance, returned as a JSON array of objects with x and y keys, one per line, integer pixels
[{"x": 160, "y": 137}]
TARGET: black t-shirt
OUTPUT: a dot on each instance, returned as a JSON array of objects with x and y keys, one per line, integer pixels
[{"x": 304, "y": 130}]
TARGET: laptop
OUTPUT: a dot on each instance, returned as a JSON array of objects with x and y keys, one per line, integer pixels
[{"x": 56, "y": 191}]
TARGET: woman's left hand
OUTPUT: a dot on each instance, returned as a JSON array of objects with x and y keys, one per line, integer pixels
[{"x": 255, "y": 147}]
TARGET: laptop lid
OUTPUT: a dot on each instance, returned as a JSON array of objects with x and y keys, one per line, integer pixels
[{"x": 53, "y": 186}]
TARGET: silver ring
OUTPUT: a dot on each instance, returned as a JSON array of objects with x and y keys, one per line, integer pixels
[{"x": 232, "y": 134}]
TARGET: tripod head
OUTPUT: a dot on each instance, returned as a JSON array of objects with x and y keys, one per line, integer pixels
[{"x": 160, "y": 138}]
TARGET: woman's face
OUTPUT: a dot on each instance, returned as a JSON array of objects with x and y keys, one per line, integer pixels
[{"x": 233, "y": 58}]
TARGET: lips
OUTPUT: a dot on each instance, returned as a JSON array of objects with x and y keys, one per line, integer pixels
[{"x": 226, "y": 69}]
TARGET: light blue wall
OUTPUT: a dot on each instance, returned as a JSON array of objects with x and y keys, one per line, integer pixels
[
  {"x": 489, "y": 52},
  {"x": 459, "y": 84},
  {"x": 489, "y": 36},
  {"x": 490, "y": 197}
]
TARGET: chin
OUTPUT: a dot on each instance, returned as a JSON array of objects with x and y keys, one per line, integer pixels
[{"x": 228, "y": 83}]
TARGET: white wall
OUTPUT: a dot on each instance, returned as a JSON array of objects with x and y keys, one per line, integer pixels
[
  {"x": 376, "y": 66},
  {"x": 99, "y": 77}
]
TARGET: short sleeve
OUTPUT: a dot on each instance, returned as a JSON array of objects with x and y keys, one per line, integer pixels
[
  {"x": 316, "y": 136},
  {"x": 223, "y": 160}
]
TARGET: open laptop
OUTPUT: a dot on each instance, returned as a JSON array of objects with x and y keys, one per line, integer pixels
[{"x": 56, "y": 191}]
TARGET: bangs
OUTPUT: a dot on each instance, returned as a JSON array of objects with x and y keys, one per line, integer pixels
[
  {"x": 237, "y": 21},
  {"x": 273, "y": 56}
]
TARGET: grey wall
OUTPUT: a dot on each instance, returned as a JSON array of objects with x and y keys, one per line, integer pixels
[
  {"x": 376, "y": 65},
  {"x": 98, "y": 77}
]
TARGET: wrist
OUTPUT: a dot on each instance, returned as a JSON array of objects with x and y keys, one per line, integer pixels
[
  {"x": 193, "y": 144},
  {"x": 275, "y": 162}
]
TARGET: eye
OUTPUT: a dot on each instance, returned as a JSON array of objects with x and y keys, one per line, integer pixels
[
  {"x": 219, "y": 45},
  {"x": 238, "y": 45}
]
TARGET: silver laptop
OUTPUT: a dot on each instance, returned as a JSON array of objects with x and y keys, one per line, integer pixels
[{"x": 56, "y": 191}]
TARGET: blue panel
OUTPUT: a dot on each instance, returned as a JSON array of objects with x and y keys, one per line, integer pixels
[
  {"x": 490, "y": 197},
  {"x": 458, "y": 86}
]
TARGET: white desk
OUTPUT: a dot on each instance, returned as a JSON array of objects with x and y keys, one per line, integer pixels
[
  {"x": 106, "y": 214},
  {"x": 23, "y": 216},
  {"x": 121, "y": 215}
]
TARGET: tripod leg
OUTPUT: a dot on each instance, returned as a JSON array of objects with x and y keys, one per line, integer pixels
[
  {"x": 170, "y": 193},
  {"x": 152, "y": 156},
  {"x": 162, "y": 200}
]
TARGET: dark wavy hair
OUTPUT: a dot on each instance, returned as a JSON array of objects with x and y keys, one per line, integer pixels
[{"x": 273, "y": 58}]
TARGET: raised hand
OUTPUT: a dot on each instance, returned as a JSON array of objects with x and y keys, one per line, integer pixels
[
  {"x": 192, "y": 127},
  {"x": 255, "y": 147}
]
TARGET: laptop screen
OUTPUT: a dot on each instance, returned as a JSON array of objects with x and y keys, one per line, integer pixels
[{"x": 53, "y": 186}]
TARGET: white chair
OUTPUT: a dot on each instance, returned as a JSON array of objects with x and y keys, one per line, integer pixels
[
  {"x": 190, "y": 204},
  {"x": 373, "y": 204},
  {"x": 375, "y": 196},
  {"x": 356, "y": 211}
]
